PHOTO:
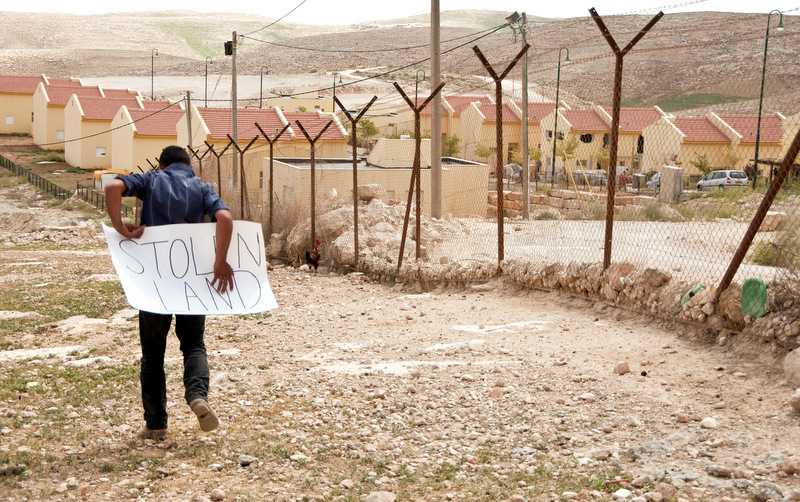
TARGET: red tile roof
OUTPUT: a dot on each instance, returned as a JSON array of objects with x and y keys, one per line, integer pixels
[
  {"x": 152, "y": 123},
  {"x": 64, "y": 82},
  {"x": 19, "y": 85},
  {"x": 747, "y": 127},
  {"x": 28, "y": 84},
  {"x": 156, "y": 105},
  {"x": 700, "y": 130},
  {"x": 585, "y": 120},
  {"x": 59, "y": 95},
  {"x": 490, "y": 112},
  {"x": 460, "y": 103},
  {"x": 634, "y": 120},
  {"x": 313, "y": 124},
  {"x": 104, "y": 108},
  {"x": 538, "y": 111},
  {"x": 220, "y": 122},
  {"x": 119, "y": 93}
]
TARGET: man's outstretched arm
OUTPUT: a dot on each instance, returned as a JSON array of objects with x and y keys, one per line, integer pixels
[
  {"x": 223, "y": 273},
  {"x": 114, "y": 190}
]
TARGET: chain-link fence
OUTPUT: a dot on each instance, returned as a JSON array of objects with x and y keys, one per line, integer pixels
[{"x": 674, "y": 187}]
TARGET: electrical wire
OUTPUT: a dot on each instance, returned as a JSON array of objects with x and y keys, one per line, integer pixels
[
  {"x": 274, "y": 22},
  {"x": 373, "y": 51},
  {"x": 111, "y": 129}
]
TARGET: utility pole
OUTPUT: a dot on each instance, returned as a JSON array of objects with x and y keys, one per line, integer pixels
[
  {"x": 526, "y": 180},
  {"x": 189, "y": 117},
  {"x": 234, "y": 105},
  {"x": 436, "y": 114}
]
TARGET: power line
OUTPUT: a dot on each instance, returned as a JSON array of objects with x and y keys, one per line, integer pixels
[
  {"x": 356, "y": 51},
  {"x": 276, "y": 21},
  {"x": 112, "y": 129}
]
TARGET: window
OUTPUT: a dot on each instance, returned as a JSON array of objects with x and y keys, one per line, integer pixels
[
  {"x": 59, "y": 134},
  {"x": 288, "y": 194},
  {"x": 561, "y": 136},
  {"x": 9, "y": 120},
  {"x": 640, "y": 145},
  {"x": 261, "y": 179},
  {"x": 587, "y": 138},
  {"x": 548, "y": 135},
  {"x": 100, "y": 151},
  {"x": 606, "y": 140}
]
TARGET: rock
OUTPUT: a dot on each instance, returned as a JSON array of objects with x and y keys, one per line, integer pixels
[
  {"x": 719, "y": 471},
  {"x": 765, "y": 490},
  {"x": 218, "y": 494},
  {"x": 791, "y": 368},
  {"x": 794, "y": 402},
  {"x": 666, "y": 490},
  {"x": 370, "y": 191},
  {"x": 794, "y": 494},
  {"x": 380, "y": 497},
  {"x": 621, "y": 494},
  {"x": 790, "y": 466},
  {"x": 709, "y": 423},
  {"x": 653, "y": 496},
  {"x": 655, "y": 277},
  {"x": 245, "y": 460},
  {"x": 298, "y": 457},
  {"x": 347, "y": 484},
  {"x": 622, "y": 368},
  {"x": 771, "y": 221}
]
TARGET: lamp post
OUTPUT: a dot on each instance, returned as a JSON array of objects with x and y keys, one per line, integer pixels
[
  {"x": 416, "y": 85},
  {"x": 761, "y": 96},
  {"x": 334, "y": 89},
  {"x": 153, "y": 55},
  {"x": 555, "y": 122},
  {"x": 515, "y": 21},
  {"x": 209, "y": 61},
  {"x": 264, "y": 71}
]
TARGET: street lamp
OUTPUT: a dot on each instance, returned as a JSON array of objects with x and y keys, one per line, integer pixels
[
  {"x": 761, "y": 96},
  {"x": 153, "y": 56},
  {"x": 517, "y": 22},
  {"x": 209, "y": 61},
  {"x": 555, "y": 123},
  {"x": 264, "y": 71},
  {"x": 416, "y": 85},
  {"x": 334, "y": 88}
]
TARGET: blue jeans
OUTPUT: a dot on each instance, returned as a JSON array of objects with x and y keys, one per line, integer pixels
[{"x": 153, "y": 330}]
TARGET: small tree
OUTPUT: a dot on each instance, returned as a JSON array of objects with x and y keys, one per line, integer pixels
[
  {"x": 484, "y": 152},
  {"x": 301, "y": 109},
  {"x": 603, "y": 157},
  {"x": 451, "y": 146},
  {"x": 701, "y": 163},
  {"x": 566, "y": 149},
  {"x": 366, "y": 129}
]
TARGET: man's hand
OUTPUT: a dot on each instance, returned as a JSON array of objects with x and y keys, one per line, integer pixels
[
  {"x": 223, "y": 273},
  {"x": 223, "y": 277},
  {"x": 114, "y": 190},
  {"x": 130, "y": 231}
]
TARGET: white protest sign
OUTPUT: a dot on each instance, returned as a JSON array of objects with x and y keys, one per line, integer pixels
[{"x": 169, "y": 269}]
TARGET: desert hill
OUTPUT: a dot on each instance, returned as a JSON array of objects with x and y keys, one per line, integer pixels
[{"x": 687, "y": 61}]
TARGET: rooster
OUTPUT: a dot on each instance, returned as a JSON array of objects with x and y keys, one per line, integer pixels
[{"x": 312, "y": 257}]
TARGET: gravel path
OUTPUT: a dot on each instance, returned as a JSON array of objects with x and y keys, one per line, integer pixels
[{"x": 353, "y": 390}]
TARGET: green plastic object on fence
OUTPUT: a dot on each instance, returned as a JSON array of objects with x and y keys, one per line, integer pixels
[
  {"x": 689, "y": 294},
  {"x": 754, "y": 298}
]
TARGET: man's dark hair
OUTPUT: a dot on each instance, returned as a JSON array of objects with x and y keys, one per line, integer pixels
[{"x": 173, "y": 154}]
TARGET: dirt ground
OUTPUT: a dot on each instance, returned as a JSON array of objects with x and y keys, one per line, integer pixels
[{"x": 355, "y": 390}]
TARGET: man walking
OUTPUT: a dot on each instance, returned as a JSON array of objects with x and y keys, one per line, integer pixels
[{"x": 173, "y": 194}]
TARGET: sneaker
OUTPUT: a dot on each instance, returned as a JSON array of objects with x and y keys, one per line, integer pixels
[
  {"x": 148, "y": 433},
  {"x": 205, "y": 415}
]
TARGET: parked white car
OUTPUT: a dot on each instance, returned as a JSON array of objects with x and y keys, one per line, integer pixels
[{"x": 723, "y": 179}]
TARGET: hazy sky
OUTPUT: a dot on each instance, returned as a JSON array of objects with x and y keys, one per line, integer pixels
[{"x": 357, "y": 11}]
